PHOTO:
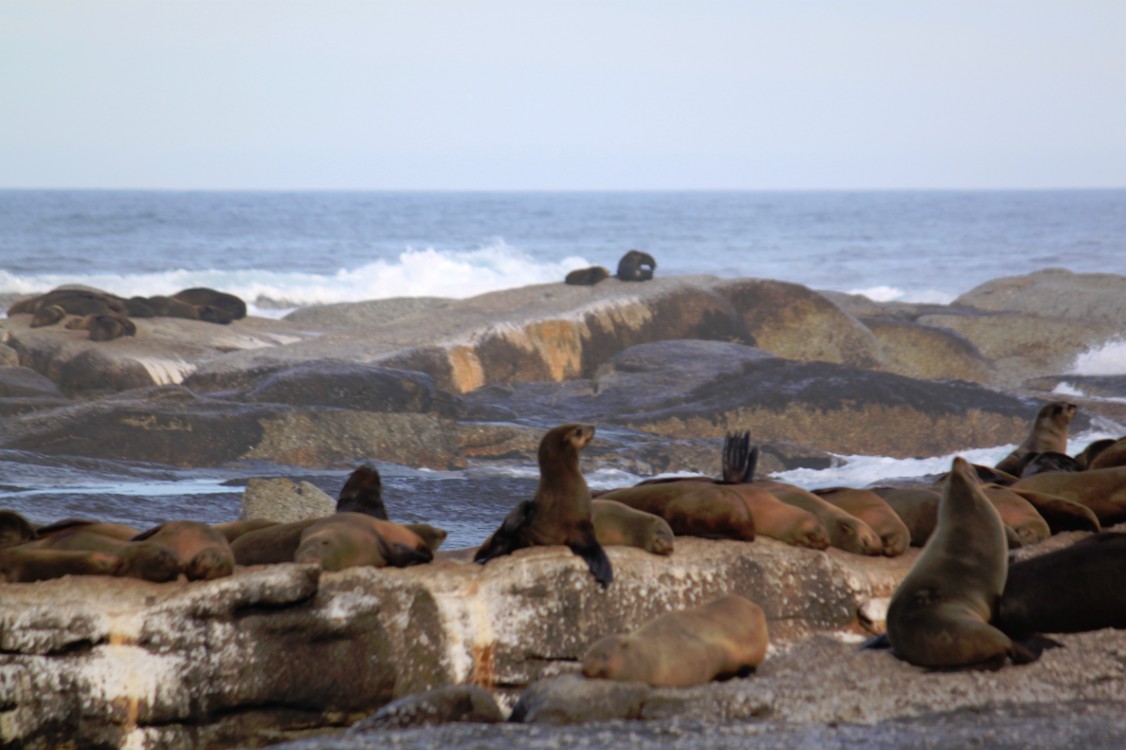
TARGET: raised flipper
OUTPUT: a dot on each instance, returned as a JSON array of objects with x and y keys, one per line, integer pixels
[
  {"x": 739, "y": 459},
  {"x": 507, "y": 539},
  {"x": 363, "y": 493}
]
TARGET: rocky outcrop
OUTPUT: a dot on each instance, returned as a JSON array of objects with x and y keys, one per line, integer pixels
[
  {"x": 1055, "y": 293},
  {"x": 115, "y": 662},
  {"x": 283, "y": 500}
]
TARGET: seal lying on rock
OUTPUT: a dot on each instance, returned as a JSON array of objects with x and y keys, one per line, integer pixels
[
  {"x": 618, "y": 524},
  {"x": 874, "y": 511},
  {"x": 559, "y": 513},
  {"x": 846, "y": 531},
  {"x": 586, "y": 276},
  {"x": 1101, "y": 490},
  {"x": 691, "y": 508},
  {"x": 723, "y": 638},
  {"x": 1073, "y": 589},
  {"x": 147, "y": 561},
  {"x": 349, "y": 540},
  {"x": 203, "y": 551},
  {"x": 24, "y": 564},
  {"x": 940, "y": 615},
  {"x": 1048, "y": 433}
]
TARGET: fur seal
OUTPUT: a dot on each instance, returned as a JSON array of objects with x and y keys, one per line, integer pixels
[
  {"x": 1109, "y": 456},
  {"x": 1018, "y": 514},
  {"x": 874, "y": 511},
  {"x": 846, "y": 531},
  {"x": 692, "y": 508},
  {"x": 1101, "y": 490},
  {"x": 782, "y": 521},
  {"x": 559, "y": 513},
  {"x": 14, "y": 529},
  {"x": 1048, "y": 433},
  {"x": 147, "y": 561},
  {"x": 636, "y": 266},
  {"x": 47, "y": 315},
  {"x": 232, "y": 530},
  {"x": 1074, "y": 589},
  {"x": 363, "y": 493},
  {"x": 1038, "y": 463},
  {"x": 1087, "y": 456},
  {"x": 23, "y": 564},
  {"x": 587, "y": 276},
  {"x": 940, "y": 615},
  {"x": 349, "y": 540},
  {"x": 103, "y": 327},
  {"x": 170, "y": 307},
  {"x": 618, "y": 524},
  {"x": 75, "y": 301},
  {"x": 227, "y": 305},
  {"x": 270, "y": 545},
  {"x": 917, "y": 507},
  {"x": 1060, "y": 513},
  {"x": 203, "y": 552},
  {"x": 723, "y": 638}
]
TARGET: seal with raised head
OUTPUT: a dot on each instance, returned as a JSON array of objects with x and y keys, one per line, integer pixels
[
  {"x": 363, "y": 493},
  {"x": 559, "y": 512},
  {"x": 723, "y": 638},
  {"x": 940, "y": 615},
  {"x": 636, "y": 266},
  {"x": 1074, "y": 589},
  {"x": 1048, "y": 433},
  {"x": 618, "y": 524}
]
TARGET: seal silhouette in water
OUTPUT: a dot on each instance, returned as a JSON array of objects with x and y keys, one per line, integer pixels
[{"x": 560, "y": 511}]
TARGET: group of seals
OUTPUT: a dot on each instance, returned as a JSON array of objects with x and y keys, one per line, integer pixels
[
  {"x": 635, "y": 265},
  {"x": 107, "y": 316}
]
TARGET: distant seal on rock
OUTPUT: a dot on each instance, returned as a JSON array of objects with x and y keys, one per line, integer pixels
[
  {"x": 23, "y": 564},
  {"x": 47, "y": 315},
  {"x": 203, "y": 552},
  {"x": 349, "y": 540},
  {"x": 170, "y": 307},
  {"x": 363, "y": 493},
  {"x": 1074, "y": 589},
  {"x": 73, "y": 301},
  {"x": 587, "y": 276},
  {"x": 618, "y": 524},
  {"x": 103, "y": 327},
  {"x": 1101, "y": 490},
  {"x": 559, "y": 513},
  {"x": 692, "y": 508},
  {"x": 227, "y": 307},
  {"x": 636, "y": 266},
  {"x": 874, "y": 511},
  {"x": 1048, "y": 433},
  {"x": 724, "y": 638},
  {"x": 940, "y": 615}
]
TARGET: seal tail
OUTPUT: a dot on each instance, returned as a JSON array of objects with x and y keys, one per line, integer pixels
[
  {"x": 595, "y": 557},
  {"x": 739, "y": 459}
]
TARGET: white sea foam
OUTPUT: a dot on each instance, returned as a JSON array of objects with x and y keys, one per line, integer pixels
[
  {"x": 1064, "y": 388},
  {"x": 1108, "y": 358},
  {"x": 894, "y": 294},
  {"x": 415, "y": 273}
]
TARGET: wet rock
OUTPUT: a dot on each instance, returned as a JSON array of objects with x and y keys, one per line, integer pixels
[
  {"x": 284, "y": 500},
  {"x": 928, "y": 352},
  {"x": 443, "y": 705}
]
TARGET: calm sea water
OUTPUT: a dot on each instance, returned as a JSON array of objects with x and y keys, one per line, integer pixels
[{"x": 284, "y": 250}]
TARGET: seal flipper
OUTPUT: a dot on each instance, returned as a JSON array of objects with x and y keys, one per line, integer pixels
[
  {"x": 363, "y": 493},
  {"x": 596, "y": 560},
  {"x": 1029, "y": 648},
  {"x": 506, "y": 539},
  {"x": 739, "y": 459}
]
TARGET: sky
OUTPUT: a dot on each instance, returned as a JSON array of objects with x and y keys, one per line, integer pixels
[{"x": 562, "y": 94}]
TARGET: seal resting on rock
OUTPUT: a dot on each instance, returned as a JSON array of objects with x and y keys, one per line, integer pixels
[
  {"x": 874, "y": 511},
  {"x": 846, "y": 531},
  {"x": 940, "y": 615},
  {"x": 147, "y": 561},
  {"x": 1101, "y": 490},
  {"x": 103, "y": 327},
  {"x": 636, "y": 266},
  {"x": 1107, "y": 455},
  {"x": 559, "y": 513},
  {"x": 1074, "y": 589},
  {"x": 349, "y": 540},
  {"x": 692, "y": 508},
  {"x": 203, "y": 551},
  {"x": 587, "y": 276},
  {"x": 724, "y": 638},
  {"x": 226, "y": 306},
  {"x": 618, "y": 524},
  {"x": 1048, "y": 433}
]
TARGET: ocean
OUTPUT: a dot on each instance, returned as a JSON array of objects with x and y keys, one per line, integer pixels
[{"x": 284, "y": 250}]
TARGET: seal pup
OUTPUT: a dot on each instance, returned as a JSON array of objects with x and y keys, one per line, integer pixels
[
  {"x": 636, "y": 266},
  {"x": 559, "y": 512},
  {"x": 939, "y": 616},
  {"x": 1074, "y": 589},
  {"x": 618, "y": 524},
  {"x": 363, "y": 493},
  {"x": 1048, "y": 433},
  {"x": 723, "y": 638},
  {"x": 586, "y": 276}
]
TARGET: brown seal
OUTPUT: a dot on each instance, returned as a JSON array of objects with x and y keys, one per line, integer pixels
[
  {"x": 723, "y": 638},
  {"x": 103, "y": 327},
  {"x": 636, "y": 266},
  {"x": 874, "y": 511},
  {"x": 349, "y": 540},
  {"x": 147, "y": 561},
  {"x": 75, "y": 301},
  {"x": 1101, "y": 490},
  {"x": 225, "y": 306},
  {"x": 559, "y": 513},
  {"x": 1074, "y": 589},
  {"x": 782, "y": 521},
  {"x": 587, "y": 276},
  {"x": 618, "y": 524},
  {"x": 24, "y": 564},
  {"x": 1087, "y": 456},
  {"x": 232, "y": 530},
  {"x": 14, "y": 529},
  {"x": 1060, "y": 513},
  {"x": 940, "y": 614},
  {"x": 1048, "y": 433},
  {"x": 47, "y": 315},
  {"x": 1109, "y": 456},
  {"x": 846, "y": 531},
  {"x": 269, "y": 545},
  {"x": 916, "y": 506},
  {"x": 1018, "y": 514},
  {"x": 203, "y": 551},
  {"x": 692, "y": 508}
]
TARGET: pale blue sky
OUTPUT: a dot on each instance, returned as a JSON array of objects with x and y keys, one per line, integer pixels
[{"x": 535, "y": 94}]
